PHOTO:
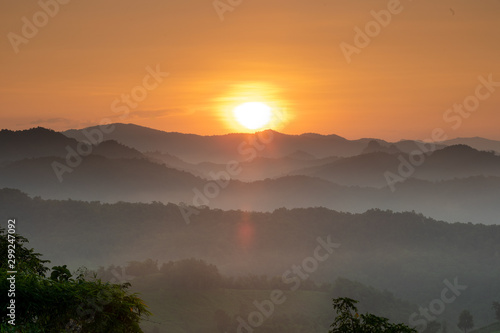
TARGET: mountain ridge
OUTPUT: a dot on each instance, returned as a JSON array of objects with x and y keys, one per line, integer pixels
[{"x": 439, "y": 186}]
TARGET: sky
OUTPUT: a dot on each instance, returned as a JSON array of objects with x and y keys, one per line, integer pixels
[{"x": 384, "y": 69}]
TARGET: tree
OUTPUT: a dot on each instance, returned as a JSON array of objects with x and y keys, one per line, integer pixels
[
  {"x": 465, "y": 321},
  {"x": 62, "y": 302},
  {"x": 26, "y": 260},
  {"x": 349, "y": 321},
  {"x": 190, "y": 274},
  {"x": 432, "y": 327},
  {"x": 496, "y": 307},
  {"x": 146, "y": 267}
]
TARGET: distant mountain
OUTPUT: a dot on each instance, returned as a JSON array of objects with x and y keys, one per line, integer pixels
[
  {"x": 139, "y": 180},
  {"x": 301, "y": 155},
  {"x": 375, "y": 146},
  {"x": 42, "y": 142},
  {"x": 369, "y": 169},
  {"x": 113, "y": 149},
  {"x": 261, "y": 168},
  {"x": 447, "y": 200},
  {"x": 440, "y": 186},
  {"x": 362, "y": 170},
  {"x": 220, "y": 149},
  {"x": 410, "y": 146},
  {"x": 100, "y": 178},
  {"x": 476, "y": 143},
  {"x": 224, "y": 148},
  {"x": 459, "y": 161},
  {"x": 32, "y": 143},
  {"x": 174, "y": 162}
]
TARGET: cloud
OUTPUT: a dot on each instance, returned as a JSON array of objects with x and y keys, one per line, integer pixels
[
  {"x": 157, "y": 113},
  {"x": 59, "y": 123},
  {"x": 52, "y": 121},
  {"x": 152, "y": 114}
]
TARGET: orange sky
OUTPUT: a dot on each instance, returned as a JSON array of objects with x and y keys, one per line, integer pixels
[{"x": 282, "y": 52}]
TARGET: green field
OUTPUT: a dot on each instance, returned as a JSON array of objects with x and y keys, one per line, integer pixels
[
  {"x": 181, "y": 310},
  {"x": 193, "y": 311}
]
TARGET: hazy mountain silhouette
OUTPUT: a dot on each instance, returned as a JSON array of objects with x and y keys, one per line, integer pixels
[
  {"x": 375, "y": 146},
  {"x": 475, "y": 142},
  {"x": 458, "y": 161},
  {"x": 113, "y": 149},
  {"x": 35, "y": 142},
  {"x": 42, "y": 142},
  {"x": 449, "y": 200},
  {"x": 140, "y": 180},
  {"x": 443, "y": 164},
  {"x": 100, "y": 178},
  {"x": 114, "y": 172},
  {"x": 301, "y": 155},
  {"x": 362, "y": 170},
  {"x": 223, "y": 148},
  {"x": 262, "y": 220},
  {"x": 410, "y": 146},
  {"x": 260, "y": 168},
  {"x": 174, "y": 162}
]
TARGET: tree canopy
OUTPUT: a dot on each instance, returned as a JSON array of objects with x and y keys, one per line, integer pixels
[
  {"x": 349, "y": 321},
  {"x": 465, "y": 321},
  {"x": 62, "y": 302}
]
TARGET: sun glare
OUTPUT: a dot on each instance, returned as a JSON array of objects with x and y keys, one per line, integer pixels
[{"x": 253, "y": 115}]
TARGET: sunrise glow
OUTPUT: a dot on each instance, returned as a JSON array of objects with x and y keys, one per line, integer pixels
[{"x": 253, "y": 115}]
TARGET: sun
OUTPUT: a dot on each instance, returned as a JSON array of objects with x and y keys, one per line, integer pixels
[{"x": 253, "y": 115}]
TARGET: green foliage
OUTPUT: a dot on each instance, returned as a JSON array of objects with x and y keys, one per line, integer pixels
[
  {"x": 91, "y": 306},
  {"x": 60, "y": 273},
  {"x": 62, "y": 303},
  {"x": 465, "y": 321},
  {"x": 348, "y": 320},
  {"x": 27, "y": 260}
]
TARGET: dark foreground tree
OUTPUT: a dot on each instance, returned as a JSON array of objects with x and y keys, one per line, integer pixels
[
  {"x": 496, "y": 308},
  {"x": 349, "y": 321},
  {"x": 60, "y": 303},
  {"x": 465, "y": 321}
]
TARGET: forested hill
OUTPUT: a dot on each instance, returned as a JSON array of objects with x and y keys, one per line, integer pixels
[
  {"x": 406, "y": 253},
  {"x": 287, "y": 230}
]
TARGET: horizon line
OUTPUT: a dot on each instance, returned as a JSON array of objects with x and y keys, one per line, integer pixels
[{"x": 255, "y": 132}]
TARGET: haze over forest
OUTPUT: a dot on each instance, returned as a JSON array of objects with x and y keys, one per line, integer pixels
[{"x": 130, "y": 201}]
